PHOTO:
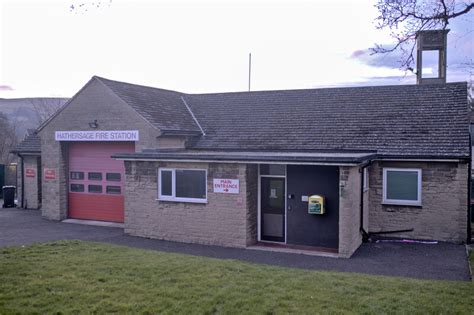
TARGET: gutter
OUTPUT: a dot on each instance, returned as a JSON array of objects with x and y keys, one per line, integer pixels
[
  {"x": 235, "y": 161},
  {"x": 421, "y": 158},
  {"x": 247, "y": 159},
  {"x": 153, "y": 156}
]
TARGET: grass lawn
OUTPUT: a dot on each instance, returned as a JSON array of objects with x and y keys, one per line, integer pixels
[{"x": 84, "y": 277}]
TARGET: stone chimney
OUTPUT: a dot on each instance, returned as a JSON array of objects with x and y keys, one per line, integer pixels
[{"x": 431, "y": 45}]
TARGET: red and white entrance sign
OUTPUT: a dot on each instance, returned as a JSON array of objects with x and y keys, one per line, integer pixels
[
  {"x": 49, "y": 173},
  {"x": 30, "y": 172},
  {"x": 226, "y": 186}
]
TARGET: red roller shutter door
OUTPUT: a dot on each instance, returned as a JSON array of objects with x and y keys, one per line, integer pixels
[{"x": 96, "y": 181}]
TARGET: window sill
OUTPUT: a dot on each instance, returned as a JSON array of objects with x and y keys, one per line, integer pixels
[
  {"x": 401, "y": 203},
  {"x": 203, "y": 201}
]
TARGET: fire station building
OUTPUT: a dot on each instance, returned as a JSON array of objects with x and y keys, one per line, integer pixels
[{"x": 314, "y": 169}]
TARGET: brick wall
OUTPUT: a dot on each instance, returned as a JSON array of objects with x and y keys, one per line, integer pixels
[
  {"x": 225, "y": 220},
  {"x": 349, "y": 211},
  {"x": 443, "y": 214},
  {"x": 94, "y": 102}
]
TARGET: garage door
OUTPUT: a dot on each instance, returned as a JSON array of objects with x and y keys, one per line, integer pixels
[{"x": 96, "y": 181}]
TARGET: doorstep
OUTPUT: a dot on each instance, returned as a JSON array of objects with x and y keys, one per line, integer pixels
[
  {"x": 295, "y": 249},
  {"x": 95, "y": 223}
]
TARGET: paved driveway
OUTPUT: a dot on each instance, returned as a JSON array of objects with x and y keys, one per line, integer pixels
[{"x": 441, "y": 261}]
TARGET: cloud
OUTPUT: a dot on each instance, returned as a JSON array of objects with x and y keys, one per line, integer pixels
[
  {"x": 460, "y": 50},
  {"x": 365, "y": 56},
  {"x": 6, "y": 88},
  {"x": 358, "y": 54}
]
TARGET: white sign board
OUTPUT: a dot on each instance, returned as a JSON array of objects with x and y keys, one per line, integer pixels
[
  {"x": 98, "y": 135},
  {"x": 226, "y": 186}
]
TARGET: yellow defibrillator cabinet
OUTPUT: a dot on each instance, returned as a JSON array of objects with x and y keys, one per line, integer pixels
[{"x": 316, "y": 204}]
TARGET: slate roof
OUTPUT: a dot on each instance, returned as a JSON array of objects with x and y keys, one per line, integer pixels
[
  {"x": 163, "y": 108},
  {"x": 400, "y": 121},
  {"x": 31, "y": 143}
]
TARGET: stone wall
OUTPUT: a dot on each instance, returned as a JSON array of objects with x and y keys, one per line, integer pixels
[
  {"x": 171, "y": 142},
  {"x": 225, "y": 220},
  {"x": 252, "y": 203},
  {"x": 350, "y": 237},
  {"x": 31, "y": 183},
  {"x": 443, "y": 214}
]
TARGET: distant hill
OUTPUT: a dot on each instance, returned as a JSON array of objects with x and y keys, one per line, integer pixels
[{"x": 27, "y": 113}]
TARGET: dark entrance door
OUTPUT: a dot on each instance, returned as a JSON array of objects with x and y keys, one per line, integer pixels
[
  {"x": 313, "y": 229},
  {"x": 272, "y": 209}
]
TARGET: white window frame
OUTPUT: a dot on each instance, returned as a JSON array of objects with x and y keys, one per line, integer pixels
[
  {"x": 173, "y": 186},
  {"x": 401, "y": 201}
]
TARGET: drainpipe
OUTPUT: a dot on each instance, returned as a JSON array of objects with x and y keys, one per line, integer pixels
[{"x": 365, "y": 234}]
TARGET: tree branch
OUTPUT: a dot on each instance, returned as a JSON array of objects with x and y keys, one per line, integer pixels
[{"x": 405, "y": 18}]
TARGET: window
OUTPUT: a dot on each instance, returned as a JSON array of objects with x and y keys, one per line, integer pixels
[
  {"x": 113, "y": 190},
  {"x": 273, "y": 169},
  {"x": 402, "y": 186},
  {"x": 77, "y": 187},
  {"x": 97, "y": 189},
  {"x": 188, "y": 185},
  {"x": 77, "y": 175},
  {"x": 113, "y": 177},
  {"x": 366, "y": 179},
  {"x": 94, "y": 176}
]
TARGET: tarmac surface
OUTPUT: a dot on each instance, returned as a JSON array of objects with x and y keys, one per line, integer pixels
[{"x": 442, "y": 261}]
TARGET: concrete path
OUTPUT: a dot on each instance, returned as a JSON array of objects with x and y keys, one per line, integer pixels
[{"x": 423, "y": 261}]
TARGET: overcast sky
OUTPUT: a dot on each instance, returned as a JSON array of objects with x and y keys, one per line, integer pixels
[{"x": 53, "y": 48}]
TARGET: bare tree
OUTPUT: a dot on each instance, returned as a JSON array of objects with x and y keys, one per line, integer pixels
[
  {"x": 404, "y": 18},
  {"x": 8, "y": 140},
  {"x": 82, "y": 7},
  {"x": 470, "y": 84},
  {"x": 45, "y": 107}
]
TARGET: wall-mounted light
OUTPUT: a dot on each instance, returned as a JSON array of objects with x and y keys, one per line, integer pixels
[{"x": 94, "y": 124}]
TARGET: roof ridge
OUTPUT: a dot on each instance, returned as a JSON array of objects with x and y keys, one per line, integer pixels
[
  {"x": 102, "y": 79},
  {"x": 192, "y": 115},
  {"x": 281, "y": 90},
  {"x": 331, "y": 88}
]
